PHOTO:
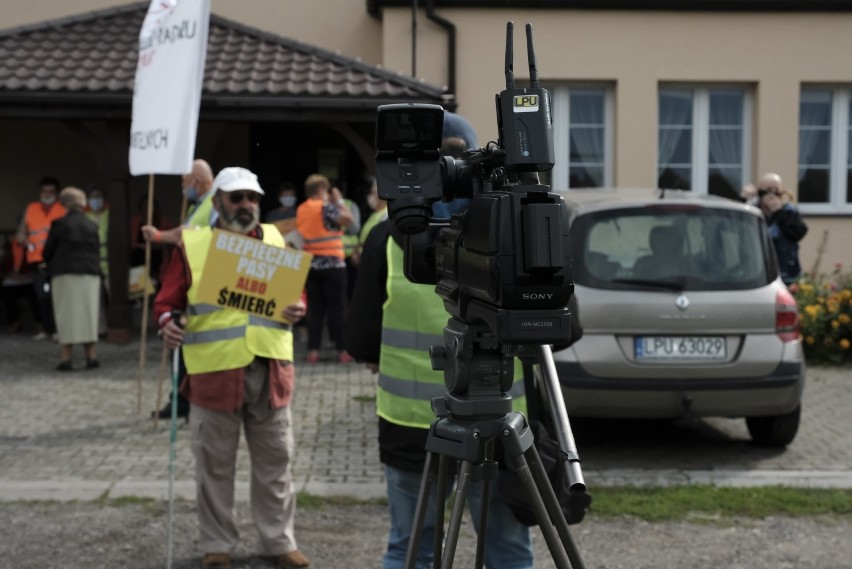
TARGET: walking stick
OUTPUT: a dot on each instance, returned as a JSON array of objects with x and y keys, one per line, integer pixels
[
  {"x": 176, "y": 314},
  {"x": 163, "y": 362},
  {"x": 165, "y": 355}
]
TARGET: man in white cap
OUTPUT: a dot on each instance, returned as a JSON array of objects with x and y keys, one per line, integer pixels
[{"x": 239, "y": 372}]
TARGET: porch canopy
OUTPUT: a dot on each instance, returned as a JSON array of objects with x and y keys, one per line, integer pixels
[
  {"x": 84, "y": 66},
  {"x": 77, "y": 73}
]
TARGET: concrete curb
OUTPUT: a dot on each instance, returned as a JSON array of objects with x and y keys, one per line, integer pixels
[{"x": 86, "y": 490}]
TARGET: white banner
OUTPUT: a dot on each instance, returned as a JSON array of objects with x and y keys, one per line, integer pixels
[{"x": 167, "y": 91}]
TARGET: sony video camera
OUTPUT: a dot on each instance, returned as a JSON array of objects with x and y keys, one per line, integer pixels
[{"x": 504, "y": 261}]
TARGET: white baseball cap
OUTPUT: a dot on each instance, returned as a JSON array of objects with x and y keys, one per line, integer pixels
[{"x": 235, "y": 178}]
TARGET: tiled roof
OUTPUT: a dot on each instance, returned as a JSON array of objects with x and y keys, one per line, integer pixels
[{"x": 96, "y": 53}]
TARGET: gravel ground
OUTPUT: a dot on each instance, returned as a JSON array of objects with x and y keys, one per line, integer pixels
[{"x": 43, "y": 535}]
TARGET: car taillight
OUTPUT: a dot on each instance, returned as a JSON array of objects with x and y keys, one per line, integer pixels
[{"x": 786, "y": 316}]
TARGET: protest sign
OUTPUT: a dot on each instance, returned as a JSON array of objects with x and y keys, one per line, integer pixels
[
  {"x": 246, "y": 274},
  {"x": 167, "y": 89}
]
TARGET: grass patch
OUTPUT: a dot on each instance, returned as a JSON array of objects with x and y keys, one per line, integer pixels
[
  {"x": 710, "y": 502},
  {"x": 699, "y": 504},
  {"x": 131, "y": 501},
  {"x": 306, "y": 500}
]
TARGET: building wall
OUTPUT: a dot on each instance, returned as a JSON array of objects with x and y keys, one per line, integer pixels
[{"x": 771, "y": 53}]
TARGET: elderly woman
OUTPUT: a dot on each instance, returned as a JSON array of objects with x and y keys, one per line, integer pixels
[{"x": 72, "y": 254}]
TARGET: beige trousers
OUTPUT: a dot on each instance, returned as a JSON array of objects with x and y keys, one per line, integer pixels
[{"x": 215, "y": 436}]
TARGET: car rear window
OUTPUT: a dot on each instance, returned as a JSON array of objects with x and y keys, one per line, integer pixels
[{"x": 671, "y": 246}]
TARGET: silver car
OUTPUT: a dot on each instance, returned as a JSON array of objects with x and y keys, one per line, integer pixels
[{"x": 683, "y": 313}]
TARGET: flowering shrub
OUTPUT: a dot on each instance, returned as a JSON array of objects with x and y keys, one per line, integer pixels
[{"x": 825, "y": 310}]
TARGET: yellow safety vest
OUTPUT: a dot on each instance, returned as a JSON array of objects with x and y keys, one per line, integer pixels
[
  {"x": 199, "y": 213},
  {"x": 350, "y": 233},
  {"x": 413, "y": 318},
  {"x": 375, "y": 218},
  {"x": 219, "y": 339},
  {"x": 102, "y": 221}
]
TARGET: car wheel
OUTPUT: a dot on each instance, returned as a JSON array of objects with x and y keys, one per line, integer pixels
[{"x": 775, "y": 431}]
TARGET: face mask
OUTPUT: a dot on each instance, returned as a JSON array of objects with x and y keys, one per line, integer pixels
[
  {"x": 287, "y": 201},
  {"x": 96, "y": 204},
  {"x": 190, "y": 193},
  {"x": 47, "y": 200}
]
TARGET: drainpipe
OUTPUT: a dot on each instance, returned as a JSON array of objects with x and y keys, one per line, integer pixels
[
  {"x": 451, "y": 45},
  {"x": 414, "y": 39}
]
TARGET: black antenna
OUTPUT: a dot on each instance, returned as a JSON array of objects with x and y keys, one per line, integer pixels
[
  {"x": 510, "y": 56},
  {"x": 531, "y": 56}
]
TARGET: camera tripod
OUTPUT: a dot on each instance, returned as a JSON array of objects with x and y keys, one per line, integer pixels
[{"x": 477, "y": 411}]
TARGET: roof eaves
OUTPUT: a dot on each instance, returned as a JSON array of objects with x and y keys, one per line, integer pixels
[{"x": 376, "y": 70}]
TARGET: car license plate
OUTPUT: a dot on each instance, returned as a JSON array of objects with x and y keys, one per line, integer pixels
[{"x": 679, "y": 348}]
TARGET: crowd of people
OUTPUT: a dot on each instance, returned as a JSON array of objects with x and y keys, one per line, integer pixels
[{"x": 238, "y": 371}]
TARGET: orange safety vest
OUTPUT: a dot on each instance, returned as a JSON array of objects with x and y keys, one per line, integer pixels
[
  {"x": 318, "y": 239},
  {"x": 38, "y": 225}
]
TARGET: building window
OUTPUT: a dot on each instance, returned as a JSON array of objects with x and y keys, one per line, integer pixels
[
  {"x": 825, "y": 151},
  {"x": 583, "y": 146},
  {"x": 703, "y": 140}
]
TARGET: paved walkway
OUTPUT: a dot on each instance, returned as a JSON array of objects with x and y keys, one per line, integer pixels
[{"x": 77, "y": 435}]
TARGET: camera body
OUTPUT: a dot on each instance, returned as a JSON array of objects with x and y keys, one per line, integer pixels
[{"x": 504, "y": 262}]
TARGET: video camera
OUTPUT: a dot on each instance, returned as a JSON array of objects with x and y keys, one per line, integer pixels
[{"x": 504, "y": 262}]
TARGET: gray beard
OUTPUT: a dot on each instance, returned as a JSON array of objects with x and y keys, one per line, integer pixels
[{"x": 235, "y": 224}]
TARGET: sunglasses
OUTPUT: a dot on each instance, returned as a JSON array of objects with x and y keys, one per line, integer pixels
[
  {"x": 237, "y": 197},
  {"x": 763, "y": 191}
]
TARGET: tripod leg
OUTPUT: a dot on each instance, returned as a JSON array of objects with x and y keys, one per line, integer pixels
[
  {"x": 483, "y": 525},
  {"x": 419, "y": 513},
  {"x": 439, "y": 511},
  {"x": 456, "y": 517},
  {"x": 551, "y": 502},
  {"x": 557, "y": 551}
]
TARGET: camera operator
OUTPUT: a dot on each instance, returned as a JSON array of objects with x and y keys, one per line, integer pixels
[
  {"x": 404, "y": 421},
  {"x": 384, "y": 306}
]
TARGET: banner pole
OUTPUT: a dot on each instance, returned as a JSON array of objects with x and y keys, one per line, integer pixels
[
  {"x": 146, "y": 284},
  {"x": 184, "y": 205}
]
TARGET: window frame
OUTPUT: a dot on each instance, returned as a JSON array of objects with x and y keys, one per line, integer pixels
[
  {"x": 701, "y": 130},
  {"x": 560, "y": 175},
  {"x": 841, "y": 97}
]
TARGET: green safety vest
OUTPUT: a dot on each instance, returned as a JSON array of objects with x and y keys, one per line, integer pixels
[
  {"x": 350, "y": 234},
  {"x": 413, "y": 318},
  {"x": 375, "y": 218},
  {"x": 199, "y": 213},
  {"x": 102, "y": 222},
  {"x": 219, "y": 339}
]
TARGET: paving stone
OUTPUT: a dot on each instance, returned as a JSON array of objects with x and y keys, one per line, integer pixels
[{"x": 77, "y": 435}]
